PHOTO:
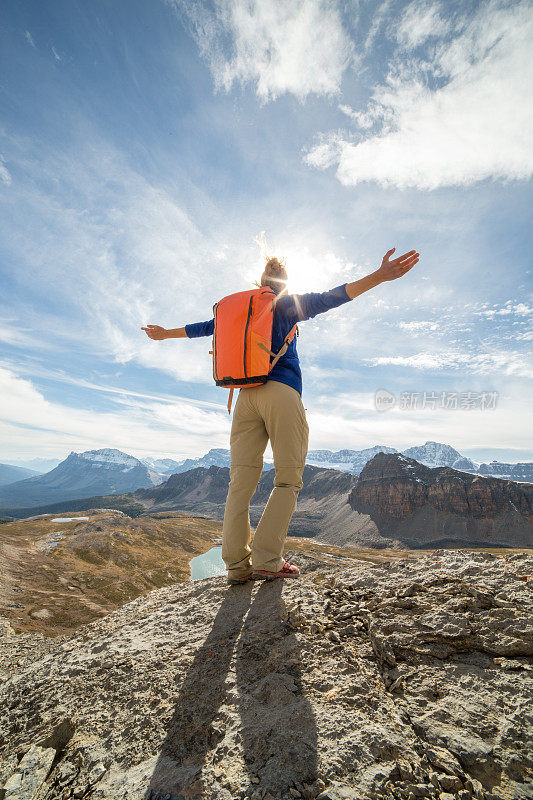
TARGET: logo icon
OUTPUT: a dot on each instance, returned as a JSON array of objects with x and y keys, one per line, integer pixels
[{"x": 384, "y": 400}]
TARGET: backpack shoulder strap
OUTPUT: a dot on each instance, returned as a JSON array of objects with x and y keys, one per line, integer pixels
[
  {"x": 230, "y": 398},
  {"x": 283, "y": 349},
  {"x": 287, "y": 340}
]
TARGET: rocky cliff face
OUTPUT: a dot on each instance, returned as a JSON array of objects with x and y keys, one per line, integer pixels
[
  {"x": 398, "y": 492},
  {"x": 370, "y": 681},
  {"x": 394, "y": 502},
  {"x": 189, "y": 489},
  {"x": 398, "y": 486},
  {"x": 205, "y": 489}
]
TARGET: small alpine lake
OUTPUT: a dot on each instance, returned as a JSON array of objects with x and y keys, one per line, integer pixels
[{"x": 208, "y": 564}]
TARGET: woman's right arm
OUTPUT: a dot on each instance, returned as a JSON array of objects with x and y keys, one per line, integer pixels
[
  {"x": 306, "y": 306},
  {"x": 158, "y": 333},
  {"x": 193, "y": 331}
]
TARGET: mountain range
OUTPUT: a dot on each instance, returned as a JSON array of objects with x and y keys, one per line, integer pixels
[
  {"x": 95, "y": 472},
  {"x": 38, "y": 465},
  {"x": 9, "y": 474},
  {"x": 431, "y": 454},
  {"x": 216, "y": 457},
  {"x": 108, "y": 471},
  {"x": 394, "y": 502}
]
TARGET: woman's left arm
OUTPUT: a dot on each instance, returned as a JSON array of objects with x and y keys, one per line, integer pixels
[{"x": 389, "y": 271}]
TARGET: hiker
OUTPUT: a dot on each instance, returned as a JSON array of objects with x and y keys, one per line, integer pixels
[{"x": 274, "y": 411}]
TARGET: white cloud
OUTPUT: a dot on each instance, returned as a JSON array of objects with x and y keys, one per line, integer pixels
[
  {"x": 33, "y": 425},
  {"x": 29, "y": 38},
  {"x": 56, "y": 55},
  {"x": 328, "y": 151},
  {"x": 348, "y": 110},
  {"x": 117, "y": 257},
  {"x": 59, "y": 376},
  {"x": 473, "y": 121},
  {"x": 13, "y": 334},
  {"x": 378, "y": 19},
  {"x": 5, "y": 175},
  {"x": 424, "y": 361},
  {"x": 504, "y": 362},
  {"x": 347, "y": 421},
  {"x": 119, "y": 253},
  {"x": 420, "y": 21},
  {"x": 145, "y": 424},
  {"x": 508, "y": 309},
  {"x": 280, "y": 46},
  {"x": 421, "y": 326}
]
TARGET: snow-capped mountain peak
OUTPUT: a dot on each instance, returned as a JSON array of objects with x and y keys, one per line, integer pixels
[
  {"x": 109, "y": 456},
  {"x": 88, "y": 474},
  {"x": 435, "y": 454},
  {"x": 431, "y": 454}
]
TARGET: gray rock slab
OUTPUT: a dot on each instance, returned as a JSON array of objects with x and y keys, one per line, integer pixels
[{"x": 31, "y": 773}]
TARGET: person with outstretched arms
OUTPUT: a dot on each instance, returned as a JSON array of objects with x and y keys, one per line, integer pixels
[{"x": 273, "y": 411}]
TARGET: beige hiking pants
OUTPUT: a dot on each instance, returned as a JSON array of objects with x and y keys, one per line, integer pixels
[{"x": 272, "y": 411}]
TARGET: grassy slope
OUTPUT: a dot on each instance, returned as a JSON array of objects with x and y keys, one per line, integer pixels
[
  {"x": 95, "y": 568},
  {"x": 122, "y": 502}
]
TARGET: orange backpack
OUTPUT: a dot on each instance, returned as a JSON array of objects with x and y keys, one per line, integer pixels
[{"x": 242, "y": 338}]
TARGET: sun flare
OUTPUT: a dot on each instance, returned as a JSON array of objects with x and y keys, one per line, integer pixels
[
  {"x": 305, "y": 274},
  {"x": 307, "y": 271}
]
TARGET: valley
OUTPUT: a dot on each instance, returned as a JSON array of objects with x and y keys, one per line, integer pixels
[{"x": 57, "y": 576}]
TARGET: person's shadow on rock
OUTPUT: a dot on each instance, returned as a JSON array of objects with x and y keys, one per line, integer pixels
[
  {"x": 277, "y": 729},
  {"x": 192, "y": 731},
  {"x": 278, "y": 726}
]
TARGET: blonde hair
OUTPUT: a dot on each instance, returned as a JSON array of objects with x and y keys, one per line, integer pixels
[{"x": 274, "y": 274}]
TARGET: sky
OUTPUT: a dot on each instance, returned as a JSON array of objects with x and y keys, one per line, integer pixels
[{"x": 153, "y": 152}]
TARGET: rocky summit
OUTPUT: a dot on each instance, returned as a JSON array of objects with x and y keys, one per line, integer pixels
[{"x": 400, "y": 679}]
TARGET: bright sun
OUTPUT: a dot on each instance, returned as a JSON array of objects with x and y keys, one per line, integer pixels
[{"x": 308, "y": 270}]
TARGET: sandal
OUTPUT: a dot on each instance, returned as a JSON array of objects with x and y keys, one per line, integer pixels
[
  {"x": 238, "y": 581},
  {"x": 287, "y": 571}
]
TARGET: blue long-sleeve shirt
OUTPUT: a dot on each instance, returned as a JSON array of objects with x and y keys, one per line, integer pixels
[{"x": 289, "y": 310}]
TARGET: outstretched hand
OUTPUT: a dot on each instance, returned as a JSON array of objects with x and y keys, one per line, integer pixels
[
  {"x": 390, "y": 270},
  {"x": 155, "y": 332}
]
